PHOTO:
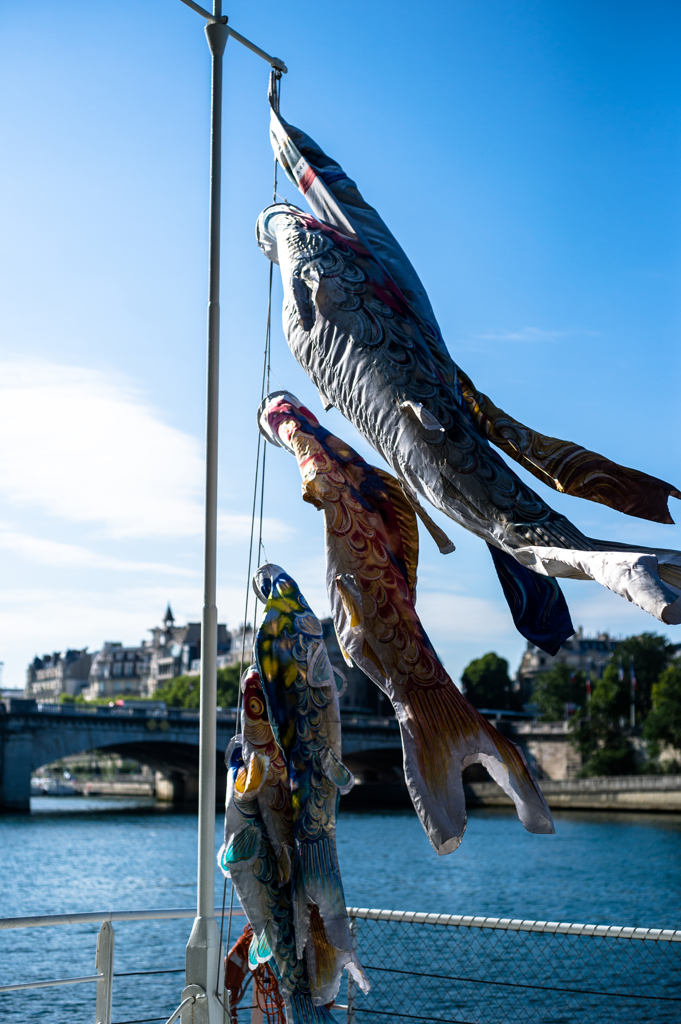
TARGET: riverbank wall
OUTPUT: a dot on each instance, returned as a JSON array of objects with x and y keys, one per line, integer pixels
[
  {"x": 658, "y": 793},
  {"x": 135, "y": 786},
  {"x": 661, "y": 793}
]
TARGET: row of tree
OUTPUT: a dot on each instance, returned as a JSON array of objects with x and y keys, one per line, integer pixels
[
  {"x": 181, "y": 691},
  {"x": 600, "y": 726},
  {"x": 184, "y": 691}
]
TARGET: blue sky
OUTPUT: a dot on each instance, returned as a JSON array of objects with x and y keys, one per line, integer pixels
[{"x": 526, "y": 155}]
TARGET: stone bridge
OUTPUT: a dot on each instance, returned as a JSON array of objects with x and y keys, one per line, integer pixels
[{"x": 32, "y": 735}]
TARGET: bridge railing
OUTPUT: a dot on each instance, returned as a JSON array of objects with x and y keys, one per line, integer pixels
[
  {"x": 28, "y": 706},
  {"x": 107, "y": 711}
]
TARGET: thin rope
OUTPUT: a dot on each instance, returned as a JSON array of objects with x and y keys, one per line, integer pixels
[
  {"x": 522, "y": 984},
  {"x": 275, "y": 88},
  {"x": 268, "y": 340},
  {"x": 245, "y": 623},
  {"x": 261, "y": 546},
  {"x": 264, "y": 389},
  {"x": 222, "y": 925},
  {"x": 281, "y": 386},
  {"x": 229, "y": 923},
  {"x": 248, "y": 575}
]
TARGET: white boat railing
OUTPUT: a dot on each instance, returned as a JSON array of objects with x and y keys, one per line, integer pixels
[
  {"x": 42, "y": 920},
  {"x": 586, "y": 972},
  {"x": 104, "y": 976},
  {"x": 509, "y": 924}
]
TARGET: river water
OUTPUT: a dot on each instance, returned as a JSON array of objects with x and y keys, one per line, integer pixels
[{"x": 80, "y": 854}]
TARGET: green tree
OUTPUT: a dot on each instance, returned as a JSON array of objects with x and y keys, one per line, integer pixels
[
  {"x": 184, "y": 691},
  {"x": 67, "y": 698},
  {"x": 604, "y": 741},
  {"x": 663, "y": 724},
  {"x": 651, "y": 653},
  {"x": 486, "y": 683},
  {"x": 554, "y": 689}
]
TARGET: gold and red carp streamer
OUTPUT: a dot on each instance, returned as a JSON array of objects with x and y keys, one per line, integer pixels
[
  {"x": 372, "y": 554},
  {"x": 323, "y": 957},
  {"x": 358, "y": 320},
  {"x": 266, "y": 773},
  {"x": 568, "y": 467}
]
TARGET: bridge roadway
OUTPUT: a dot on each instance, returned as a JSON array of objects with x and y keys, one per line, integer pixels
[{"x": 32, "y": 735}]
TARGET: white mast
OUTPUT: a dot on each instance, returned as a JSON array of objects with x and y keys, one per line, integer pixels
[{"x": 204, "y": 975}]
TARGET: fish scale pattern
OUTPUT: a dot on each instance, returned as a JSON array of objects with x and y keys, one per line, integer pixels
[{"x": 357, "y": 319}]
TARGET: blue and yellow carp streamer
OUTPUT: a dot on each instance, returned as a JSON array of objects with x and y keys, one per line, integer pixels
[{"x": 285, "y": 775}]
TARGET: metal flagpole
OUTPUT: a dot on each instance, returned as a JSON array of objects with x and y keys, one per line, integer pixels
[{"x": 204, "y": 955}]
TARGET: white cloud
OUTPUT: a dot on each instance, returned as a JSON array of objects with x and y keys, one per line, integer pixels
[
  {"x": 44, "y": 619},
  {"x": 86, "y": 448},
  {"x": 55, "y": 553},
  {"x": 38, "y": 619},
  {"x": 79, "y": 447},
  {"x": 449, "y": 617},
  {"x": 237, "y": 528}
]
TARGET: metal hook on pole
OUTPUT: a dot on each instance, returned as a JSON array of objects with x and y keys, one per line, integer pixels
[
  {"x": 275, "y": 62},
  {"x": 204, "y": 952}
]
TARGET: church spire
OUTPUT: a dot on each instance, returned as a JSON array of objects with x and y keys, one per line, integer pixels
[{"x": 168, "y": 618}]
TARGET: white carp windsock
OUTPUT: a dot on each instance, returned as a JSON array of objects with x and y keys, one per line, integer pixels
[
  {"x": 358, "y": 320},
  {"x": 371, "y": 558}
]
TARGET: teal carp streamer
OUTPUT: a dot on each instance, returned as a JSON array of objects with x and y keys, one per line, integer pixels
[{"x": 285, "y": 775}]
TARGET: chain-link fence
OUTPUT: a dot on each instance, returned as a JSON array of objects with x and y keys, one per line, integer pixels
[{"x": 466, "y": 970}]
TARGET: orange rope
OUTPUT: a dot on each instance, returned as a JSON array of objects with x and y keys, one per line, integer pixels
[
  {"x": 236, "y": 970},
  {"x": 266, "y": 994}
]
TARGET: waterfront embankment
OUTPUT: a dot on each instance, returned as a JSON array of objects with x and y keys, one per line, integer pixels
[
  {"x": 654, "y": 793},
  {"x": 612, "y": 793},
  {"x": 131, "y": 786}
]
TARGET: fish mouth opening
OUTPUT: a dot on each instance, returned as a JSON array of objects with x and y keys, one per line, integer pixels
[
  {"x": 265, "y": 227},
  {"x": 264, "y": 578},
  {"x": 263, "y": 425}
]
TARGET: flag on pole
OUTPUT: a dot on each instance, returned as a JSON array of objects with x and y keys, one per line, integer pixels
[{"x": 632, "y": 692}]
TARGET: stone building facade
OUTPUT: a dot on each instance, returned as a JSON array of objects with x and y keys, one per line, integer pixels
[
  {"x": 548, "y": 748},
  {"x": 176, "y": 651},
  {"x": 242, "y": 639},
  {"x": 53, "y": 674},
  {"x": 116, "y": 671},
  {"x": 579, "y": 653}
]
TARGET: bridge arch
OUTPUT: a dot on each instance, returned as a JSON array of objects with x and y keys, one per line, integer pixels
[
  {"x": 167, "y": 742},
  {"x": 34, "y": 735}
]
